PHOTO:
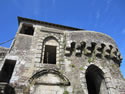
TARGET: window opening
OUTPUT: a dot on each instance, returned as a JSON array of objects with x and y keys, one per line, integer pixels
[
  {"x": 7, "y": 70},
  {"x": 27, "y": 29},
  {"x": 50, "y": 54}
]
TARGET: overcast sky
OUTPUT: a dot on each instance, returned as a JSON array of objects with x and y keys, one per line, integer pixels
[{"x": 106, "y": 16}]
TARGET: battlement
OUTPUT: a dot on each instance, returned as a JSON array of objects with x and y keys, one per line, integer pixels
[{"x": 92, "y": 44}]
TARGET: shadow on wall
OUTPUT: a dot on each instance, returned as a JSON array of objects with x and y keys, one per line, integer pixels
[{"x": 5, "y": 88}]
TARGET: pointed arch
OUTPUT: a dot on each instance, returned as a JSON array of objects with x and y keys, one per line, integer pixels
[{"x": 95, "y": 80}]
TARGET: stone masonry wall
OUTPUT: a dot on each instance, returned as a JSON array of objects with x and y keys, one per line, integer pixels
[
  {"x": 3, "y": 52},
  {"x": 86, "y": 48},
  {"x": 76, "y": 52}
]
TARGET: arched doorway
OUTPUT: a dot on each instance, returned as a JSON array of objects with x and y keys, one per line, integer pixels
[
  {"x": 47, "y": 81},
  {"x": 95, "y": 80}
]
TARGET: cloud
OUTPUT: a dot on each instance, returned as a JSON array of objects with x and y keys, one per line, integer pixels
[
  {"x": 54, "y": 1},
  {"x": 123, "y": 31},
  {"x": 36, "y": 7},
  {"x": 25, "y": 8},
  {"x": 108, "y": 2},
  {"x": 98, "y": 15}
]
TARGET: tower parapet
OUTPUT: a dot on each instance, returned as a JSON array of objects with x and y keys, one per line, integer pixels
[{"x": 93, "y": 44}]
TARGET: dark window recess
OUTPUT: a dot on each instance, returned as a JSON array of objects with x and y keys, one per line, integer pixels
[
  {"x": 7, "y": 70},
  {"x": 50, "y": 54},
  {"x": 28, "y": 30}
]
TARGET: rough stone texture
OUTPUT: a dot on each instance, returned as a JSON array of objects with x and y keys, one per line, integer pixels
[
  {"x": 81, "y": 57},
  {"x": 3, "y": 52}
]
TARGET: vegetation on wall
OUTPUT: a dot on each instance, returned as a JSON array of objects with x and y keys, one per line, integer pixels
[
  {"x": 61, "y": 60},
  {"x": 81, "y": 68},
  {"x": 64, "y": 41},
  {"x": 65, "y": 92},
  {"x": 72, "y": 65}
]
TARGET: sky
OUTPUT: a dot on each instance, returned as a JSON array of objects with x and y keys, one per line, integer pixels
[{"x": 106, "y": 16}]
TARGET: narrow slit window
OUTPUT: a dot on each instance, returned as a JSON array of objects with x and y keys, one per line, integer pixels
[
  {"x": 27, "y": 29},
  {"x": 7, "y": 70},
  {"x": 50, "y": 54}
]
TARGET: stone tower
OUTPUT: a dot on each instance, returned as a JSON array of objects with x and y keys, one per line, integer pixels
[{"x": 47, "y": 58}]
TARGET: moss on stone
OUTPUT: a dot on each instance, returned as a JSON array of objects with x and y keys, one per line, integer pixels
[
  {"x": 65, "y": 92},
  {"x": 81, "y": 68},
  {"x": 72, "y": 65}
]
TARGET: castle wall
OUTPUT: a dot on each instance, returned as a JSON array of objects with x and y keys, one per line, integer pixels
[
  {"x": 80, "y": 56},
  {"x": 92, "y": 48}
]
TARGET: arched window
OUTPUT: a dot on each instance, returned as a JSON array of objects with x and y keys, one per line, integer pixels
[
  {"x": 95, "y": 80},
  {"x": 50, "y": 49}
]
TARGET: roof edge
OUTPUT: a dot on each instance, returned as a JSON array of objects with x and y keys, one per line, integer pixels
[{"x": 20, "y": 19}]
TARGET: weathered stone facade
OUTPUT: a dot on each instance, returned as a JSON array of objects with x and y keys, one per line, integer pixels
[{"x": 47, "y": 58}]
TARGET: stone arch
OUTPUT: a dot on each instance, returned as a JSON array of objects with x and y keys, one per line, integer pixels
[
  {"x": 37, "y": 80},
  {"x": 106, "y": 75},
  {"x": 95, "y": 80},
  {"x": 52, "y": 42},
  {"x": 50, "y": 35},
  {"x": 51, "y": 71}
]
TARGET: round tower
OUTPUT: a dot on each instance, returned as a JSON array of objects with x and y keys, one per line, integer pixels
[{"x": 93, "y": 61}]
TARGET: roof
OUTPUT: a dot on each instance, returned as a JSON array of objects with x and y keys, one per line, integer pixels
[{"x": 21, "y": 19}]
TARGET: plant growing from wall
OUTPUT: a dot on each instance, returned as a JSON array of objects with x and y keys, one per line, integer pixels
[
  {"x": 61, "y": 60},
  {"x": 61, "y": 71},
  {"x": 64, "y": 41},
  {"x": 81, "y": 68},
  {"x": 65, "y": 92},
  {"x": 91, "y": 59},
  {"x": 113, "y": 65},
  {"x": 27, "y": 89},
  {"x": 72, "y": 65},
  {"x": 85, "y": 51}
]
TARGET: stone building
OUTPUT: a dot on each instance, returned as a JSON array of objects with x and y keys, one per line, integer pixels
[{"x": 47, "y": 58}]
